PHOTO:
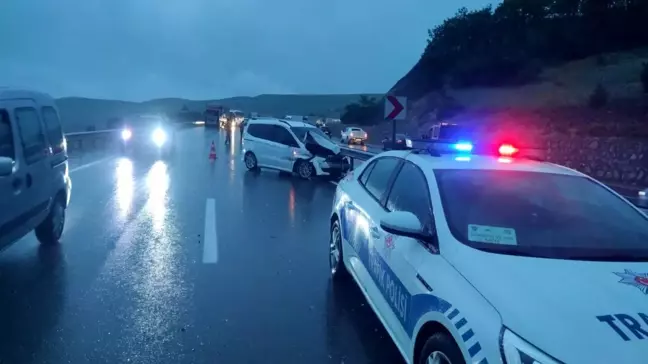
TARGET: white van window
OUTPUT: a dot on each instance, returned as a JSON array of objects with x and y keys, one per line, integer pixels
[
  {"x": 31, "y": 134},
  {"x": 54, "y": 130},
  {"x": 6, "y": 136}
]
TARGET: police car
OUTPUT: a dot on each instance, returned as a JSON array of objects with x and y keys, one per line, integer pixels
[{"x": 473, "y": 258}]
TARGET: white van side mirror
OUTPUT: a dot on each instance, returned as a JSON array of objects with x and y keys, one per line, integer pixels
[{"x": 6, "y": 166}]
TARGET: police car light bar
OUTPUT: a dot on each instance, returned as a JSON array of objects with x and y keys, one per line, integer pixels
[
  {"x": 508, "y": 150},
  {"x": 463, "y": 147}
]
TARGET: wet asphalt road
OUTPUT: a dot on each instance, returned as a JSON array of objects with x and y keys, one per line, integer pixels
[{"x": 129, "y": 283}]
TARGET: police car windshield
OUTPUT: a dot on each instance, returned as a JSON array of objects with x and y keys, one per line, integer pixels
[
  {"x": 542, "y": 215},
  {"x": 300, "y": 131}
]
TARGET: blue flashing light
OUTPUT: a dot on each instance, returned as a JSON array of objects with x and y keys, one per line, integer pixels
[{"x": 463, "y": 147}]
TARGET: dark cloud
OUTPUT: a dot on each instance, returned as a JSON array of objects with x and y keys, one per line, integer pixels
[{"x": 200, "y": 49}]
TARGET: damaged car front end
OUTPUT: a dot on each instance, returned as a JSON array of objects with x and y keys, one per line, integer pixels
[{"x": 325, "y": 155}]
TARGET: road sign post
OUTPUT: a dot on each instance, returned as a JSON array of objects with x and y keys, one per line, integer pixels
[{"x": 395, "y": 109}]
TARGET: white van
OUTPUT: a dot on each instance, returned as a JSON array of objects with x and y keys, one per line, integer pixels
[
  {"x": 291, "y": 146},
  {"x": 34, "y": 181}
]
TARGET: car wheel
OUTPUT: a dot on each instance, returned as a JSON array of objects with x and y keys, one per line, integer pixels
[
  {"x": 251, "y": 161},
  {"x": 336, "y": 261},
  {"x": 50, "y": 230},
  {"x": 440, "y": 349},
  {"x": 305, "y": 169}
]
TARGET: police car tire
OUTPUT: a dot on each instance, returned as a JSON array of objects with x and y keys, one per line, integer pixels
[
  {"x": 341, "y": 273},
  {"x": 443, "y": 343}
]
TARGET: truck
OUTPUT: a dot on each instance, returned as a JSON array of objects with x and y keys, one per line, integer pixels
[{"x": 213, "y": 115}]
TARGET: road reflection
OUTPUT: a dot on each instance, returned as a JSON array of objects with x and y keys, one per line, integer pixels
[
  {"x": 125, "y": 186},
  {"x": 291, "y": 204},
  {"x": 157, "y": 183}
]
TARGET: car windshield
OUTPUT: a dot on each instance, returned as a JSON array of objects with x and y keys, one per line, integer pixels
[
  {"x": 541, "y": 214},
  {"x": 300, "y": 131}
]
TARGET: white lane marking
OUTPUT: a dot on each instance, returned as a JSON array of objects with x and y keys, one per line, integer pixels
[
  {"x": 210, "y": 239},
  {"x": 84, "y": 166},
  {"x": 334, "y": 183}
]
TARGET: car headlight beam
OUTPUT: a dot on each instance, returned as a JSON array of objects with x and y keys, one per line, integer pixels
[
  {"x": 126, "y": 134},
  {"x": 159, "y": 137}
]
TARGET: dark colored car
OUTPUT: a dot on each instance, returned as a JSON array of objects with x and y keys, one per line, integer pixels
[
  {"x": 402, "y": 143},
  {"x": 151, "y": 134}
]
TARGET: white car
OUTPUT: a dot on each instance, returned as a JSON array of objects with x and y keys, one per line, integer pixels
[
  {"x": 353, "y": 135},
  {"x": 486, "y": 259},
  {"x": 291, "y": 146}
]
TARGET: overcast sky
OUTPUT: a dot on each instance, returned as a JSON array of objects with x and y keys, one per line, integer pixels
[{"x": 205, "y": 49}]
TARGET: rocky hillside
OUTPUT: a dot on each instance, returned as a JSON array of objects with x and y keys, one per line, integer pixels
[{"x": 557, "y": 102}]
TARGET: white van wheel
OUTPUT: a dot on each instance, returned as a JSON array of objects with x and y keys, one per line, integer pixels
[
  {"x": 250, "y": 161},
  {"x": 305, "y": 169},
  {"x": 51, "y": 229}
]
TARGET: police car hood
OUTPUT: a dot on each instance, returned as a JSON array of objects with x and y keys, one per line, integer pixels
[{"x": 575, "y": 311}]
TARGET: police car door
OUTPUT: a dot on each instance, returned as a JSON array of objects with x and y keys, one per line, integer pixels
[
  {"x": 409, "y": 192},
  {"x": 382, "y": 279}
]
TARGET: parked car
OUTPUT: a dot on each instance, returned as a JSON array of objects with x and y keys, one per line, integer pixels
[
  {"x": 34, "y": 182},
  {"x": 354, "y": 135}
]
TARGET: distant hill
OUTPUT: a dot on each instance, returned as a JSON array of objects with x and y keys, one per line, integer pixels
[{"x": 78, "y": 114}]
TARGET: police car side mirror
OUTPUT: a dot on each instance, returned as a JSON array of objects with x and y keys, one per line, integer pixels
[
  {"x": 6, "y": 166},
  {"x": 403, "y": 223}
]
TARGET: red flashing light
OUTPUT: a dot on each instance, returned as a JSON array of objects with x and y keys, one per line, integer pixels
[{"x": 507, "y": 150}]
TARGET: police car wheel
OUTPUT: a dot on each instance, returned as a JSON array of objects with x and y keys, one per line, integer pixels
[
  {"x": 440, "y": 349},
  {"x": 305, "y": 169},
  {"x": 250, "y": 161},
  {"x": 336, "y": 262},
  {"x": 51, "y": 229}
]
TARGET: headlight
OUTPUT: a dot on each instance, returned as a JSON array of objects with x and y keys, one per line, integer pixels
[
  {"x": 518, "y": 351},
  {"x": 126, "y": 134},
  {"x": 408, "y": 143},
  {"x": 159, "y": 137},
  {"x": 298, "y": 153}
]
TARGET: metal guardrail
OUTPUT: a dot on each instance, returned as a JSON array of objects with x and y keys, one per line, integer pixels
[
  {"x": 91, "y": 139},
  {"x": 100, "y": 138}
]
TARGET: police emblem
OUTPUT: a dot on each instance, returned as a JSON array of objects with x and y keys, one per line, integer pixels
[
  {"x": 639, "y": 280},
  {"x": 389, "y": 241}
]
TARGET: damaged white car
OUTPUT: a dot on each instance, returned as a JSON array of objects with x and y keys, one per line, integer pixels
[{"x": 291, "y": 146}]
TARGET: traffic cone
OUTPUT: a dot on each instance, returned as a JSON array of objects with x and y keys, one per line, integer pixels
[{"x": 212, "y": 152}]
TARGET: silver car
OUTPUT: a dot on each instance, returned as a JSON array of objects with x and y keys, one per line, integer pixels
[{"x": 34, "y": 182}]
